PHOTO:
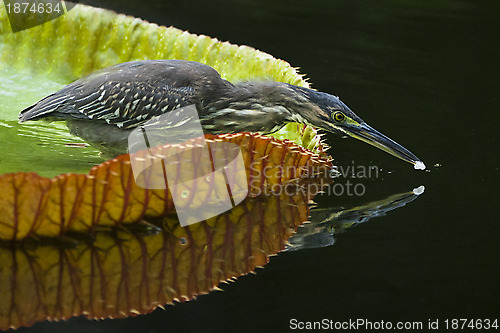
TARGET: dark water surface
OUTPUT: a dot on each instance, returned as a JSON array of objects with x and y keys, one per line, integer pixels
[{"x": 425, "y": 74}]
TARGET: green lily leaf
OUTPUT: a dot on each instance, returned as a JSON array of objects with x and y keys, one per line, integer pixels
[{"x": 39, "y": 61}]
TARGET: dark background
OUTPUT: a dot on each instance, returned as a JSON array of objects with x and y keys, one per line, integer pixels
[{"x": 426, "y": 74}]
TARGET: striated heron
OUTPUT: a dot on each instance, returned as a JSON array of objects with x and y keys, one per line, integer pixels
[{"x": 104, "y": 107}]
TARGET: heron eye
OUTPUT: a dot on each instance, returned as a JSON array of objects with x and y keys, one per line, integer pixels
[{"x": 339, "y": 116}]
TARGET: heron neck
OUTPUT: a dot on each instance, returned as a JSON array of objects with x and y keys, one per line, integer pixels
[{"x": 255, "y": 106}]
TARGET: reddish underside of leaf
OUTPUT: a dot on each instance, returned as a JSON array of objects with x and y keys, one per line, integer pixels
[{"x": 108, "y": 196}]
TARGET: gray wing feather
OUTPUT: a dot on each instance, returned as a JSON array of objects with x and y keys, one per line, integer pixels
[{"x": 125, "y": 95}]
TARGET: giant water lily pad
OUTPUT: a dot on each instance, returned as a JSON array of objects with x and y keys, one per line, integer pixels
[{"x": 40, "y": 60}]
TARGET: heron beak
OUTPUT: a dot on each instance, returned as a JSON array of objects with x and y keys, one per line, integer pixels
[{"x": 373, "y": 137}]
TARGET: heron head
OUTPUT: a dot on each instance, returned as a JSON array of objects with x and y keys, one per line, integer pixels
[{"x": 329, "y": 113}]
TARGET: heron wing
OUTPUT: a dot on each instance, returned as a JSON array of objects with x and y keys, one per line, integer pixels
[
  {"x": 129, "y": 104},
  {"x": 125, "y": 95}
]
